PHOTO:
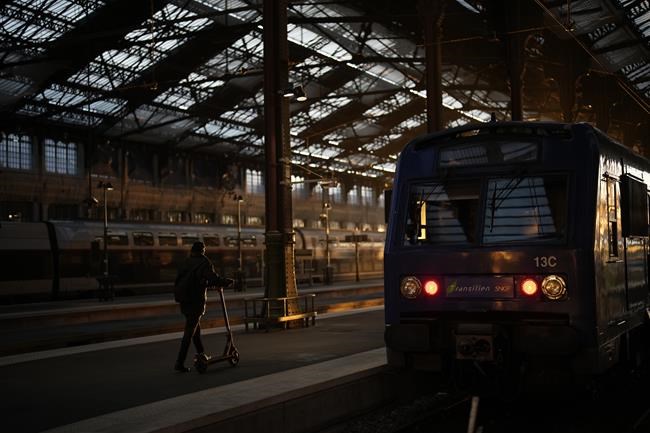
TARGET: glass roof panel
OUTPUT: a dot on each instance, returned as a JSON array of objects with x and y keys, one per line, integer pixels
[
  {"x": 246, "y": 110},
  {"x": 244, "y": 55},
  {"x": 42, "y": 21},
  {"x": 153, "y": 41},
  {"x": 31, "y": 109},
  {"x": 325, "y": 107},
  {"x": 75, "y": 118},
  {"x": 458, "y": 122},
  {"x": 191, "y": 90},
  {"x": 14, "y": 85},
  {"x": 451, "y": 102},
  {"x": 320, "y": 151},
  {"x": 389, "y": 74},
  {"x": 312, "y": 66},
  {"x": 386, "y": 166},
  {"x": 299, "y": 122},
  {"x": 389, "y": 105},
  {"x": 64, "y": 96},
  {"x": 362, "y": 159},
  {"x": 217, "y": 128},
  {"x": 305, "y": 37},
  {"x": 240, "y": 10},
  {"x": 395, "y": 132}
]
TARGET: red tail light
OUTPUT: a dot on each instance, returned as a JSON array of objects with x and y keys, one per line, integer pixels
[
  {"x": 529, "y": 287},
  {"x": 431, "y": 287}
]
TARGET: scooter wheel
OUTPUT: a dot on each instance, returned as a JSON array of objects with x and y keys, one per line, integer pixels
[{"x": 234, "y": 360}]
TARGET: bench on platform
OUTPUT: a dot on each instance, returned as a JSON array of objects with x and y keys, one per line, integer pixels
[{"x": 272, "y": 311}]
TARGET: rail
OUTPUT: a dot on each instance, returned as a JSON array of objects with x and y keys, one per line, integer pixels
[{"x": 271, "y": 311}]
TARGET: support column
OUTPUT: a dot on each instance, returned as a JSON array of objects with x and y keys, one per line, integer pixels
[
  {"x": 567, "y": 66},
  {"x": 643, "y": 131},
  {"x": 433, "y": 13},
  {"x": 280, "y": 278},
  {"x": 124, "y": 166},
  {"x": 601, "y": 93},
  {"x": 515, "y": 60}
]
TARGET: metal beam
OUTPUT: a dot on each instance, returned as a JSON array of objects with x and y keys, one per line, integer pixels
[{"x": 91, "y": 37}]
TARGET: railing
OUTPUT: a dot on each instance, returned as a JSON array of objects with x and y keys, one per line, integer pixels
[{"x": 270, "y": 311}]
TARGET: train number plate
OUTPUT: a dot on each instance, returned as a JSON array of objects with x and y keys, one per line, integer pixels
[{"x": 479, "y": 287}]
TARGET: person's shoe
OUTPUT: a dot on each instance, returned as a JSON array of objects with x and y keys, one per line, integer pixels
[
  {"x": 181, "y": 368},
  {"x": 205, "y": 356}
]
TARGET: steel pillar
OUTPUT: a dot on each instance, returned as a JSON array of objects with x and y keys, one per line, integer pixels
[
  {"x": 433, "y": 14},
  {"x": 568, "y": 67},
  {"x": 515, "y": 60},
  {"x": 280, "y": 278}
]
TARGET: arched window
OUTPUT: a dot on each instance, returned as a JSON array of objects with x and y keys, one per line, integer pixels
[
  {"x": 16, "y": 151},
  {"x": 297, "y": 186},
  {"x": 336, "y": 194},
  {"x": 254, "y": 182},
  {"x": 353, "y": 195},
  {"x": 367, "y": 196},
  {"x": 60, "y": 157}
]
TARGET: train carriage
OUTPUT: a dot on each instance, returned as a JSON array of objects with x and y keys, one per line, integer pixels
[
  {"x": 514, "y": 244},
  {"x": 63, "y": 259}
]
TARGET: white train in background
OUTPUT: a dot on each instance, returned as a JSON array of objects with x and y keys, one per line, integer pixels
[{"x": 62, "y": 259}]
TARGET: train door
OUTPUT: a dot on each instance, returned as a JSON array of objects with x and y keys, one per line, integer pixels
[
  {"x": 634, "y": 227},
  {"x": 610, "y": 266}
]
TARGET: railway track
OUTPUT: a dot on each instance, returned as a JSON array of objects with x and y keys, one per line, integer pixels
[{"x": 615, "y": 403}]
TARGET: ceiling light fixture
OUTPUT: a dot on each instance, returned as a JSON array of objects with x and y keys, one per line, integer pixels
[
  {"x": 301, "y": 96},
  {"x": 297, "y": 92}
]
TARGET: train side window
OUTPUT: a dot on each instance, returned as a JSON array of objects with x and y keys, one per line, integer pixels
[
  {"x": 211, "y": 241},
  {"x": 634, "y": 206},
  {"x": 189, "y": 239},
  {"x": 117, "y": 238},
  {"x": 612, "y": 217},
  {"x": 143, "y": 239},
  {"x": 167, "y": 239}
]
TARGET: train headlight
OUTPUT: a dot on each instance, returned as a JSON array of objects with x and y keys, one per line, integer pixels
[
  {"x": 554, "y": 287},
  {"x": 528, "y": 287},
  {"x": 431, "y": 287},
  {"x": 410, "y": 287}
]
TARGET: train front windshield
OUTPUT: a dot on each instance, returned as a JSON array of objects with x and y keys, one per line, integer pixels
[{"x": 487, "y": 211}]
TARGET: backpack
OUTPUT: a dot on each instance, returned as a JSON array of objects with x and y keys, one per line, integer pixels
[{"x": 184, "y": 284}]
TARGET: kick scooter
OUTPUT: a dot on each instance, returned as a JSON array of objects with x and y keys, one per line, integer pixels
[{"x": 230, "y": 352}]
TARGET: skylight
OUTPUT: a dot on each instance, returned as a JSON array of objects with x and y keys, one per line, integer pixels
[
  {"x": 307, "y": 38},
  {"x": 40, "y": 22},
  {"x": 153, "y": 41},
  {"x": 389, "y": 105}
]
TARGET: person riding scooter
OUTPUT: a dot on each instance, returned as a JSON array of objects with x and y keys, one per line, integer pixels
[{"x": 190, "y": 290}]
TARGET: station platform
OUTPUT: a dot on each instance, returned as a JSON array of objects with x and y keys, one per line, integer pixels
[
  {"x": 50, "y": 325},
  {"x": 129, "y": 385}
]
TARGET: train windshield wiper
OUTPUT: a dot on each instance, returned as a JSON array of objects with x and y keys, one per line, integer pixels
[{"x": 497, "y": 199}]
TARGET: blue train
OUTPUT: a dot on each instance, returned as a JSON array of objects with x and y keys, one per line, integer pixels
[{"x": 517, "y": 246}]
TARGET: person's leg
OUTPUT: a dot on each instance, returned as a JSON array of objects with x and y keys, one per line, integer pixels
[
  {"x": 191, "y": 322},
  {"x": 196, "y": 338}
]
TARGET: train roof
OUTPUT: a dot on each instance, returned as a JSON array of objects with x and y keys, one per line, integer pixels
[
  {"x": 543, "y": 128},
  {"x": 536, "y": 128}
]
